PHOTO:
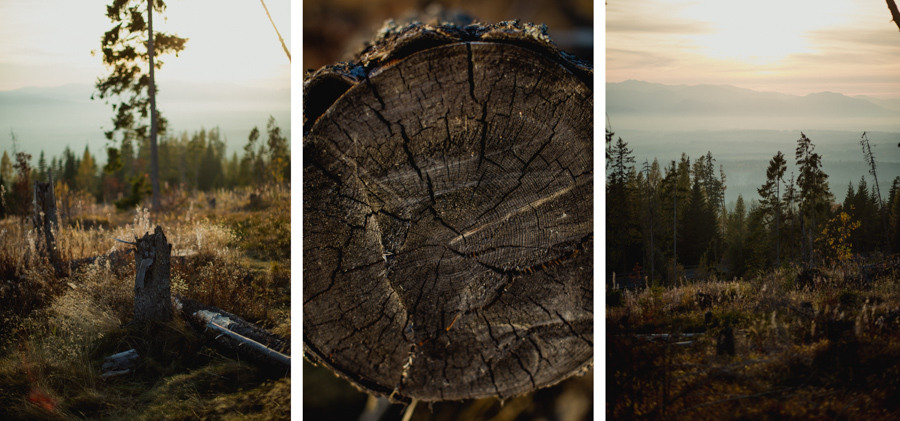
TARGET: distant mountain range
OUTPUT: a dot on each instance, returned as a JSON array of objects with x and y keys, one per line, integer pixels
[
  {"x": 638, "y": 104},
  {"x": 50, "y": 118}
]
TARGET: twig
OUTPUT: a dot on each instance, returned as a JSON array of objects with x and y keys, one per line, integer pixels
[
  {"x": 276, "y": 30},
  {"x": 123, "y": 241},
  {"x": 409, "y": 410},
  {"x": 894, "y": 13}
]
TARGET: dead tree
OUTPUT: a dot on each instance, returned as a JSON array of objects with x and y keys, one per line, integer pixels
[
  {"x": 46, "y": 222},
  {"x": 447, "y": 197},
  {"x": 152, "y": 295}
]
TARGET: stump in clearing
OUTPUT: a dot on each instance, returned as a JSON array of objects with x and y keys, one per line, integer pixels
[
  {"x": 45, "y": 221},
  {"x": 152, "y": 296},
  {"x": 447, "y": 199}
]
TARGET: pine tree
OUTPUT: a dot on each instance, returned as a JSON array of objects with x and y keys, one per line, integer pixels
[
  {"x": 86, "y": 174},
  {"x": 42, "y": 167},
  {"x": 699, "y": 226},
  {"x": 124, "y": 50},
  {"x": 211, "y": 171},
  {"x": 619, "y": 217},
  {"x": 2, "y": 196},
  {"x": 870, "y": 160},
  {"x": 279, "y": 165},
  {"x": 70, "y": 167},
  {"x": 6, "y": 170},
  {"x": 789, "y": 199},
  {"x": 770, "y": 199},
  {"x": 737, "y": 234},
  {"x": 815, "y": 197},
  {"x": 894, "y": 217},
  {"x": 649, "y": 214},
  {"x": 755, "y": 245}
]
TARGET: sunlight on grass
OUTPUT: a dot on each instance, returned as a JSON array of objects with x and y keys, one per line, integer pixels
[
  {"x": 55, "y": 331},
  {"x": 823, "y": 349}
]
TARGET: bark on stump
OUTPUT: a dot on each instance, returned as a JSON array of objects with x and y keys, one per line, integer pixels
[
  {"x": 152, "y": 296},
  {"x": 45, "y": 221},
  {"x": 447, "y": 199}
]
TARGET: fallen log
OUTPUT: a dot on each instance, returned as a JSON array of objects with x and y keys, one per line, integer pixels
[
  {"x": 235, "y": 334},
  {"x": 119, "y": 364}
]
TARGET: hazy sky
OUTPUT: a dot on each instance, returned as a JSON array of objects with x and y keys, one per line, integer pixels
[
  {"x": 794, "y": 47},
  {"x": 48, "y": 43}
]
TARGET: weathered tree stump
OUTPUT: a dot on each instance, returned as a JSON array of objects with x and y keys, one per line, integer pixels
[
  {"x": 152, "y": 296},
  {"x": 45, "y": 221},
  {"x": 447, "y": 199}
]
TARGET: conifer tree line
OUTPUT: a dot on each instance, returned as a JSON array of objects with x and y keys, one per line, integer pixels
[
  {"x": 197, "y": 162},
  {"x": 667, "y": 221}
]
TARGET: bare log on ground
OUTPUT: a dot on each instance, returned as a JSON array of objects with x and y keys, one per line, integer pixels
[
  {"x": 152, "y": 293},
  {"x": 119, "y": 364},
  {"x": 447, "y": 200},
  {"x": 236, "y": 334}
]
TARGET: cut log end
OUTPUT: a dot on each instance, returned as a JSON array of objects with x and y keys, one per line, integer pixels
[{"x": 448, "y": 218}]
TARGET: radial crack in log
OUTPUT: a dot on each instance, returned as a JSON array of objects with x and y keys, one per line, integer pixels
[{"x": 448, "y": 231}]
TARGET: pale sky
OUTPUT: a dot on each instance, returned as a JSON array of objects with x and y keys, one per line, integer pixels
[
  {"x": 48, "y": 43},
  {"x": 794, "y": 47}
]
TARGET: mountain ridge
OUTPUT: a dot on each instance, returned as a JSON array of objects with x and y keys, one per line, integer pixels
[
  {"x": 699, "y": 107},
  {"x": 50, "y": 118}
]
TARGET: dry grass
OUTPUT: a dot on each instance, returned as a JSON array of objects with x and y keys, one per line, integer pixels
[
  {"x": 825, "y": 349},
  {"x": 57, "y": 328}
]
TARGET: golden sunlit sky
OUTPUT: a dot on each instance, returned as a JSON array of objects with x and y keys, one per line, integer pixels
[
  {"x": 794, "y": 47},
  {"x": 49, "y": 43}
]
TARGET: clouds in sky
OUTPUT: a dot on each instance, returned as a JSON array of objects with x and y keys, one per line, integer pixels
[
  {"x": 796, "y": 47},
  {"x": 49, "y": 43}
]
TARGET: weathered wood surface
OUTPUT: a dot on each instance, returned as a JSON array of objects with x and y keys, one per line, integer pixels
[
  {"x": 236, "y": 334},
  {"x": 46, "y": 221},
  {"x": 152, "y": 291},
  {"x": 448, "y": 229},
  {"x": 120, "y": 364}
]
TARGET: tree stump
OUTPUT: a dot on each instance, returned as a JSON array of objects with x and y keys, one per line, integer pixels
[
  {"x": 447, "y": 198},
  {"x": 45, "y": 221},
  {"x": 152, "y": 296}
]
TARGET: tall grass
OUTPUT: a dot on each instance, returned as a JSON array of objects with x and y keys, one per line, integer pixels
[
  {"x": 56, "y": 329},
  {"x": 824, "y": 348}
]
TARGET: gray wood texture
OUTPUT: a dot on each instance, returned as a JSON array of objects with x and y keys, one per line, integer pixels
[
  {"x": 46, "y": 221},
  {"x": 152, "y": 292},
  {"x": 448, "y": 230},
  {"x": 237, "y": 335}
]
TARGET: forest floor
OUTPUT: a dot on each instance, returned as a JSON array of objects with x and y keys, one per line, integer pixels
[
  {"x": 788, "y": 344},
  {"x": 56, "y": 331}
]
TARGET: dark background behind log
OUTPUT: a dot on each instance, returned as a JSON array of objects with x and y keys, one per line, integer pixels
[{"x": 335, "y": 31}]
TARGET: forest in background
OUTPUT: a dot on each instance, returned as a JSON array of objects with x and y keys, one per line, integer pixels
[
  {"x": 197, "y": 162},
  {"x": 667, "y": 222}
]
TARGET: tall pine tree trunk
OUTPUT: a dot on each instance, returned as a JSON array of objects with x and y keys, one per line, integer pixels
[
  {"x": 777, "y": 222},
  {"x": 154, "y": 153}
]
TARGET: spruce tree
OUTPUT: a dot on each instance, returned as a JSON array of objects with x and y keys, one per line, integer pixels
[
  {"x": 815, "y": 196},
  {"x": 770, "y": 199},
  {"x": 618, "y": 208}
]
